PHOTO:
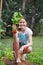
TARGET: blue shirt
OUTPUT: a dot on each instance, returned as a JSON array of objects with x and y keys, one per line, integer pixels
[{"x": 24, "y": 37}]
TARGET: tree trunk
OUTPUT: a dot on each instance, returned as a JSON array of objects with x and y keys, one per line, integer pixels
[
  {"x": 7, "y": 5},
  {"x": 0, "y": 8},
  {"x": 33, "y": 17},
  {"x": 0, "y": 14},
  {"x": 23, "y": 6},
  {"x": 33, "y": 14}
]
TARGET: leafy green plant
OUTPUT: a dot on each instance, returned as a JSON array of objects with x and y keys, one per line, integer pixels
[
  {"x": 1, "y": 21},
  {"x": 1, "y": 57},
  {"x": 2, "y": 63},
  {"x": 9, "y": 54},
  {"x": 16, "y": 17},
  {"x": 2, "y": 54},
  {"x": 1, "y": 29},
  {"x": 35, "y": 57}
]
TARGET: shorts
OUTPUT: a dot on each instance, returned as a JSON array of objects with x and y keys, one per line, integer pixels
[{"x": 21, "y": 44}]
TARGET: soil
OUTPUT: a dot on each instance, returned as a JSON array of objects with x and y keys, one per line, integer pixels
[{"x": 13, "y": 62}]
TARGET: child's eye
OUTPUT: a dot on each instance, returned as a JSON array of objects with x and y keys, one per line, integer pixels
[{"x": 21, "y": 22}]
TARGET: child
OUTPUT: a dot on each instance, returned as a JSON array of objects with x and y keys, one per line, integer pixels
[{"x": 22, "y": 40}]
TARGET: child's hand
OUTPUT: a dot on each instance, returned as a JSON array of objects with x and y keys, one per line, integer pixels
[
  {"x": 13, "y": 26},
  {"x": 14, "y": 30}
]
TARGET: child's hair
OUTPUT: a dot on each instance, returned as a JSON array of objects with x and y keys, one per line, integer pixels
[{"x": 23, "y": 19}]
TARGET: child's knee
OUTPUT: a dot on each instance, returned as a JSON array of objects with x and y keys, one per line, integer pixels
[
  {"x": 20, "y": 51},
  {"x": 29, "y": 49}
]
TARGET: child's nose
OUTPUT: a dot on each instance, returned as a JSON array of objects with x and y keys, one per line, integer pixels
[{"x": 22, "y": 24}]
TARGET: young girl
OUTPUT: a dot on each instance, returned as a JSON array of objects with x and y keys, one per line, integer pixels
[{"x": 22, "y": 40}]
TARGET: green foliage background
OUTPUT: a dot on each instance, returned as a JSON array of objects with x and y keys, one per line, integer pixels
[{"x": 15, "y": 5}]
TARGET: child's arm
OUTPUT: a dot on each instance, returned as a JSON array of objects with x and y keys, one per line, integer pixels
[{"x": 30, "y": 33}]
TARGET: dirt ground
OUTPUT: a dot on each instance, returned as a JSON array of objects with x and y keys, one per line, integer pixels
[{"x": 12, "y": 62}]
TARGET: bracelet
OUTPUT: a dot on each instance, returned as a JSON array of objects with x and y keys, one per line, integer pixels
[{"x": 14, "y": 31}]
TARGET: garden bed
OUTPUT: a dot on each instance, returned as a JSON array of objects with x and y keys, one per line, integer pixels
[{"x": 12, "y": 62}]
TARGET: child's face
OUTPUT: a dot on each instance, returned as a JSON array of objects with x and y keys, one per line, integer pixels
[{"x": 22, "y": 24}]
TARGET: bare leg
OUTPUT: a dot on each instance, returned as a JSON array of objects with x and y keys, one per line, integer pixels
[
  {"x": 25, "y": 51},
  {"x": 16, "y": 44},
  {"x": 16, "y": 48}
]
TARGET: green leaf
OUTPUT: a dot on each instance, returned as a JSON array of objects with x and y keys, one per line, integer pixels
[
  {"x": 2, "y": 63},
  {"x": 9, "y": 54},
  {"x": 16, "y": 17}
]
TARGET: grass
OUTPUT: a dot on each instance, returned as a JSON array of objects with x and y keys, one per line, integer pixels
[
  {"x": 37, "y": 43},
  {"x": 6, "y": 43},
  {"x": 37, "y": 54}
]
